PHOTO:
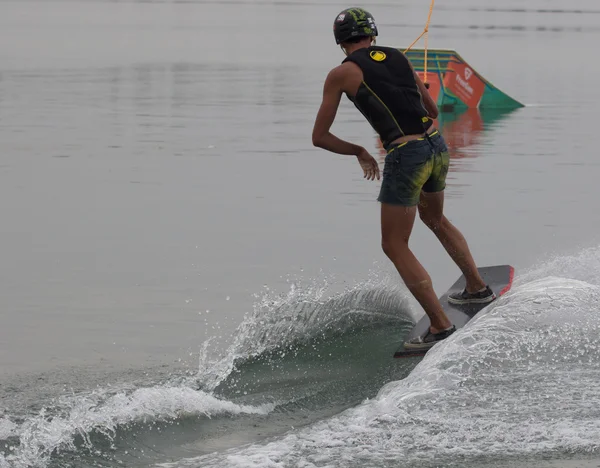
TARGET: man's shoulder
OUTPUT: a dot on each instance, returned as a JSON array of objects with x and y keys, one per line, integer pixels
[
  {"x": 342, "y": 71},
  {"x": 344, "y": 77}
]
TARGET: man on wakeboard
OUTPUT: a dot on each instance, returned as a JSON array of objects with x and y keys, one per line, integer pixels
[{"x": 383, "y": 85}]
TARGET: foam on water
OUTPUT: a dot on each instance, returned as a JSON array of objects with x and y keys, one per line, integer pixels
[
  {"x": 583, "y": 265},
  {"x": 284, "y": 321},
  {"x": 7, "y": 428},
  {"x": 79, "y": 416},
  {"x": 277, "y": 322},
  {"x": 519, "y": 380}
]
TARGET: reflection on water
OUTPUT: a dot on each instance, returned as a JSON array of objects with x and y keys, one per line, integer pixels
[{"x": 463, "y": 131}]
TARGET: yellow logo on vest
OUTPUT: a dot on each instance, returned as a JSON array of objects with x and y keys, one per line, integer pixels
[{"x": 378, "y": 56}]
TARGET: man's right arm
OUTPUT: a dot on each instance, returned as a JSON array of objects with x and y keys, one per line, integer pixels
[{"x": 321, "y": 136}]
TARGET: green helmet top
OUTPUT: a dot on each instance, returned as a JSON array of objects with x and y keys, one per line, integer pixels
[{"x": 354, "y": 22}]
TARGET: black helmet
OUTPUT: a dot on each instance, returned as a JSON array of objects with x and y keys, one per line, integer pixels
[{"x": 354, "y": 22}]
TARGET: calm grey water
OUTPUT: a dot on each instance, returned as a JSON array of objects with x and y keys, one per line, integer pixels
[{"x": 158, "y": 188}]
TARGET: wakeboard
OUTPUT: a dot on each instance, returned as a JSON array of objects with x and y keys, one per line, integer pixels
[{"x": 498, "y": 277}]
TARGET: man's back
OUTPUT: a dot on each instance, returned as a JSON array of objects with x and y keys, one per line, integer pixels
[{"x": 388, "y": 95}]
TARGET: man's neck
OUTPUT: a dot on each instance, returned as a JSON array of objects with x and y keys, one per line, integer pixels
[{"x": 354, "y": 47}]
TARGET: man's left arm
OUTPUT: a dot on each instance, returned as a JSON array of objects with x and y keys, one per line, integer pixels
[{"x": 430, "y": 104}]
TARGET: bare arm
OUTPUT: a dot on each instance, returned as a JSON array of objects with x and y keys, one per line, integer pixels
[{"x": 323, "y": 138}]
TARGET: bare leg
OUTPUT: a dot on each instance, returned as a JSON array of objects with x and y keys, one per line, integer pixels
[
  {"x": 431, "y": 211},
  {"x": 396, "y": 226}
]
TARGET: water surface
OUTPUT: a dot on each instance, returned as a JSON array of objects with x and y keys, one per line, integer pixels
[{"x": 174, "y": 247}]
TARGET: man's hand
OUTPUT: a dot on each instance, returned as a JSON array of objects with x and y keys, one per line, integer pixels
[{"x": 368, "y": 164}]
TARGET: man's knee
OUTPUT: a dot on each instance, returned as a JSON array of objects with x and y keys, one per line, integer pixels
[
  {"x": 435, "y": 223},
  {"x": 430, "y": 220},
  {"x": 394, "y": 246}
]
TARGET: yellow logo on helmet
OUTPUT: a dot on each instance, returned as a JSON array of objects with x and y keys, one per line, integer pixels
[{"x": 378, "y": 56}]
